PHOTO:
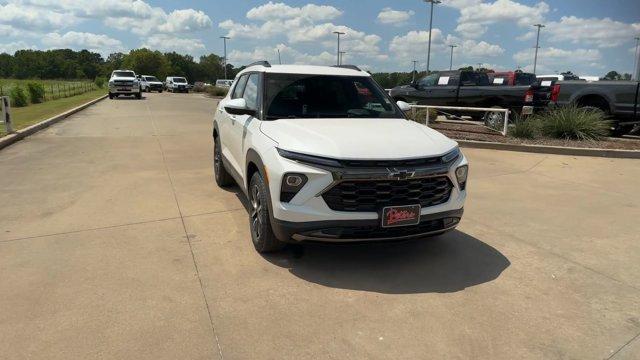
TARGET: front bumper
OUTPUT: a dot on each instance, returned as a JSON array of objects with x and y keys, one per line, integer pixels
[
  {"x": 131, "y": 90},
  {"x": 349, "y": 231},
  {"x": 307, "y": 217}
]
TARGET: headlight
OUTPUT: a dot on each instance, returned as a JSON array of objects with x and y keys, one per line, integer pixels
[
  {"x": 451, "y": 155},
  {"x": 461, "y": 175},
  {"x": 292, "y": 183},
  {"x": 309, "y": 159}
]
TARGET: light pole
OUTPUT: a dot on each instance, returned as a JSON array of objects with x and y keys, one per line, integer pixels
[
  {"x": 338, "y": 52},
  {"x": 433, "y": 2},
  {"x": 279, "y": 58},
  {"x": 451, "y": 61},
  {"x": 636, "y": 61},
  {"x": 535, "y": 58},
  {"x": 224, "y": 39},
  {"x": 342, "y": 57}
]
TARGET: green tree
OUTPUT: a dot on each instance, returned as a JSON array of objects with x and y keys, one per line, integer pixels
[
  {"x": 612, "y": 75},
  {"x": 6, "y": 65},
  {"x": 145, "y": 61}
]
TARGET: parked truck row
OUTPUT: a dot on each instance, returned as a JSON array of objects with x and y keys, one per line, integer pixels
[{"x": 523, "y": 93}]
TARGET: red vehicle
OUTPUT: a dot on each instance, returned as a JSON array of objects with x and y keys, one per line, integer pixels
[{"x": 512, "y": 78}]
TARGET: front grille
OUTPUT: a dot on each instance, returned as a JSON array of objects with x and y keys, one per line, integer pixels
[
  {"x": 373, "y": 195},
  {"x": 123, "y": 83}
]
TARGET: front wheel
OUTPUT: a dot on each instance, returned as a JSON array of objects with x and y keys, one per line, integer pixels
[
  {"x": 259, "y": 222},
  {"x": 223, "y": 178},
  {"x": 139, "y": 95},
  {"x": 110, "y": 96}
]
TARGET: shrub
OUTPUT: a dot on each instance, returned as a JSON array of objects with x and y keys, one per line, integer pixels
[
  {"x": 216, "y": 91},
  {"x": 18, "y": 96},
  {"x": 99, "y": 81},
  {"x": 525, "y": 128},
  {"x": 420, "y": 115},
  {"x": 36, "y": 92},
  {"x": 571, "y": 122}
]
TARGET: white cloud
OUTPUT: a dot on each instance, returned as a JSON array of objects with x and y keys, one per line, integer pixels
[
  {"x": 166, "y": 42},
  {"x": 406, "y": 47},
  {"x": 289, "y": 56},
  {"x": 475, "y": 18},
  {"x": 415, "y": 42},
  {"x": 302, "y": 25},
  {"x": 136, "y": 16},
  {"x": 395, "y": 17},
  {"x": 460, "y": 4},
  {"x": 602, "y": 33},
  {"x": 83, "y": 40},
  {"x": 33, "y": 18},
  {"x": 12, "y": 47},
  {"x": 275, "y": 11},
  {"x": 552, "y": 59}
]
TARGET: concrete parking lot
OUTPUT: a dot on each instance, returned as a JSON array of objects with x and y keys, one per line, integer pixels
[{"x": 115, "y": 243}]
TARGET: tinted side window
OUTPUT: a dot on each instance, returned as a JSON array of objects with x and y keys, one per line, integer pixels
[
  {"x": 430, "y": 80},
  {"x": 250, "y": 94},
  {"x": 237, "y": 91}
]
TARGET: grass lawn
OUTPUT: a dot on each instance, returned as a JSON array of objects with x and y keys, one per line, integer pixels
[{"x": 29, "y": 115}]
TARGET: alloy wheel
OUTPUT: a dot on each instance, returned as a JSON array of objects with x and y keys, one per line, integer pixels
[{"x": 256, "y": 212}]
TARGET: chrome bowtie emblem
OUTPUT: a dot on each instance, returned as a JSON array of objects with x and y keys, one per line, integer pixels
[{"x": 401, "y": 174}]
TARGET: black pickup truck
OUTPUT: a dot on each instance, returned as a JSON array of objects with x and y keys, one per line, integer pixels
[
  {"x": 462, "y": 88},
  {"x": 620, "y": 100}
]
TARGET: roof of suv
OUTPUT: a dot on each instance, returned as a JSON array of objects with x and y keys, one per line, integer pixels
[{"x": 305, "y": 69}]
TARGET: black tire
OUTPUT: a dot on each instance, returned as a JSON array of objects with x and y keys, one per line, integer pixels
[
  {"x": 160, "y": 91},
  {"x": 259, "y": 221},
  {"x": 223, "y": 178},
  {"x": 110, "y": 96},
  {"x": 139, "y": 95}
]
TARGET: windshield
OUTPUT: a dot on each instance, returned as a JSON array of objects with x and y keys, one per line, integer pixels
[
  {"x": 326, "y": 96},
  {"x": 151, "y": 78},
  {"x": 124, "y": 74},
  {"x": 179, "y": 80}
]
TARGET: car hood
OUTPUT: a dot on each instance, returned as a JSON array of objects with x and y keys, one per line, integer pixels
[
  {"x": 155, "y": 82},
  {"x": 124, "y": 78},
  {"x": 357, "y": 138}
]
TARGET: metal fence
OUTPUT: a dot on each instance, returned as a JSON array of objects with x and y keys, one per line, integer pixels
[
  {"x": 5, "y": 114},
  {"x": 498, "y": 123},
  {"x": 52, "y": 90}
]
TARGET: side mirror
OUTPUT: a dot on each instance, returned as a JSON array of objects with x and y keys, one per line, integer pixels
[
  {"x": 403, "y": 106},
  {"x": 238, "y": 107}
]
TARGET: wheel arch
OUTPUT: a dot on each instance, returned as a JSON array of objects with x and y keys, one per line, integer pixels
[{"x": 596, "y": 100}]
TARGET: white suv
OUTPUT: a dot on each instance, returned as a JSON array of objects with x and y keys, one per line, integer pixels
[{"x": 324, "y": 154}]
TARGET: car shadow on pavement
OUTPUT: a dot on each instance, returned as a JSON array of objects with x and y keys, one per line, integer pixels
[{"x": 447, "y": 263}]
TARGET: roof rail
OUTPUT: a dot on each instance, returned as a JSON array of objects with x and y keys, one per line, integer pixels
[
  {"x": 352, "y": 67},
  {"x": 260, "y": 63}
]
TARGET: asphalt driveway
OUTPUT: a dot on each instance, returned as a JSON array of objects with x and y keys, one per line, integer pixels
[{"x": 115, "y": 243}]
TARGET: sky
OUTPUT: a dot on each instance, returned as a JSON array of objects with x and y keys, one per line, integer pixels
[{"x": 588, "y": 37}]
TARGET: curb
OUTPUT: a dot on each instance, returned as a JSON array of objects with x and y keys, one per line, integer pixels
[
  {"x": 30, "y": 130},
  {"x": 546, "y": 149}
]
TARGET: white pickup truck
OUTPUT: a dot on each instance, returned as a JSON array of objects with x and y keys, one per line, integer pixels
[{"x": 124, "y": 82}]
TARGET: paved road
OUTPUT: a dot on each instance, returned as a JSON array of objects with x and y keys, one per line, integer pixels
[{"x": 115, "y": 243}]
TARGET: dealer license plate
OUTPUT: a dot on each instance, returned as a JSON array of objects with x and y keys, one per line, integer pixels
[{"x": 393, "y": 216}]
